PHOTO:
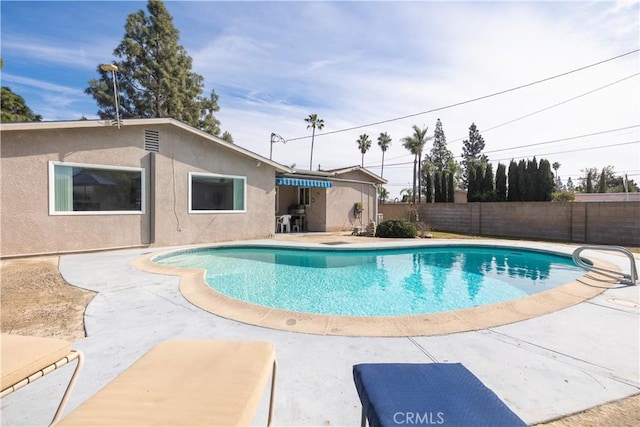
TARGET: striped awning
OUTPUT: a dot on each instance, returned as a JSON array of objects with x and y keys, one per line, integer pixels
[{"x": 297, "y": 182}]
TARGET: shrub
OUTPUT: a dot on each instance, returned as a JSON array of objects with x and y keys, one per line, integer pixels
[
  {"x": 563, "y": 196},
  {"x": 398, "y": 228}
]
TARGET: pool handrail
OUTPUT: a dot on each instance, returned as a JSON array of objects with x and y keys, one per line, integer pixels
[{"x": 633, "y": 273}]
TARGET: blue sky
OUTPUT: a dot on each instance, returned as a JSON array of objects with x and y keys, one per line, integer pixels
[{"x": 354, "y": 63}]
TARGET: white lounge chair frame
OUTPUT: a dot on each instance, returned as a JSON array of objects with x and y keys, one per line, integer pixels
[{"x": 73, "y": 355}]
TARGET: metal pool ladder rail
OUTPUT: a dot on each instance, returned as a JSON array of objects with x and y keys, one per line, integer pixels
[{"x": 633, "y": 273}]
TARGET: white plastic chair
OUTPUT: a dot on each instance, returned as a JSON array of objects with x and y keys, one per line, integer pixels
[{"x": 284, "y": 224}]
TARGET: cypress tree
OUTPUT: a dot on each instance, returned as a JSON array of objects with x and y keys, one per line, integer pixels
[
  {"x": 476, "y": 181},
  {"x": 450, "y": 189},
  {"x": 523, "y": 181},
  {"x": 602, "y": 183},
  {"x": 589, "y": 183},
  {"x": 437, "y": 184},
  {"x": 532, "y": 180},
  {"x": 545, "y": 181},
  {"x": 513, "y": 194},
  {"x": 443, "y": 182},
  {"x": 429, "y": 195},
  {"x": 487, "y": 183},
  {"x": 472, "y": 192},
  {"x": 501, "y": 183}
]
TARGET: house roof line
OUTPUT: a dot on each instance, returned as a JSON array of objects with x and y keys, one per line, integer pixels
[
  {"x": 356, "y": 181},
  {"x": 71, "y": 124},
  {"x": 358, "y": 168},
  {"x": 331, "y": 173},
  {"x": 230, "y": 145}
]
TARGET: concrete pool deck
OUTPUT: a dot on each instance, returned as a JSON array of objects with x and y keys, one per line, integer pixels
[{"x": 542, "y": 368}]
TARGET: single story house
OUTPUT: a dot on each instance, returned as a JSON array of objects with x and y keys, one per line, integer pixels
[
  {"x": 89, "y": 185},
  {"x": 330, "y": 200}
]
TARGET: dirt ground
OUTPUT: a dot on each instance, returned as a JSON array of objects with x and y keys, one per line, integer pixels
[{"x": 36, "y": 300}]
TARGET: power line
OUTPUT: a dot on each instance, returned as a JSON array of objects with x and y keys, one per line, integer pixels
[
  {"x": 572, "y": 151},
  {"x": 517, "y": 147},
  {"x": 539, "y": 111},
  {"x": 561, "y": 139},
  {"x": 457, "y": 104},
  {"x": 552, "y": 106},
  {"x": 410, "y": 163}
]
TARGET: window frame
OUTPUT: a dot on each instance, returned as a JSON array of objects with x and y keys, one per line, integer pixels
[
  {"x": 215, "y": 211},
  {"x": 52, "y": 195},
  {"x": 302, "y": 191}
]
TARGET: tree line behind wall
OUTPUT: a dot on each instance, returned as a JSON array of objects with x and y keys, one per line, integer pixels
[{"x": 525, "y": 181}]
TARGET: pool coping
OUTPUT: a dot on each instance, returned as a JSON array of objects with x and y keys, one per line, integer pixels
[{"x": 194, "y": 288}]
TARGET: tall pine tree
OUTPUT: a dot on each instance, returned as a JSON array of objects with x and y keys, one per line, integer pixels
[
  {"x": 14, "y": 108},
  {"x": 440, "y": 156},
  {"x": 472, "y": 152},
  {"x": 154, "y": 77}
]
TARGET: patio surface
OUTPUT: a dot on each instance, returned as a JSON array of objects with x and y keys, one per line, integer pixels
[{"x": 542, "y": 368}]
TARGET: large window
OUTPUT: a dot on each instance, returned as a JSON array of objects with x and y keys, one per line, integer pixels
[
  {"x": 76, "y": 189},
  {"x": 216, "y": 193}
]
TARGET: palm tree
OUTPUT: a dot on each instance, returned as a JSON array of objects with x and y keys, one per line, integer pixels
[
  {"x": 383, "y": 194},
  {"x": 558, "y": 182},
  {"x": 415, "y": 144},
  {"x": 406, "y": 194},
  {"x": 314, "y": 123},
  {"x": 384, "y": 140},
  {"x": 364, "y": 143}
]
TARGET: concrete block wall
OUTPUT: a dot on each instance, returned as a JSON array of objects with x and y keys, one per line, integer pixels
[
  {"x": 578, "y": 222},
  {"x": 611, "y": 223},
  {"x": 527, "y": 220}
]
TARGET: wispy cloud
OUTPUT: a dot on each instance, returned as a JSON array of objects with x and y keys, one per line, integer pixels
[
  {"x": 41, "y": 84},
  {"x": 69, "y": 54},
  {"x": 274, "y": 63}
]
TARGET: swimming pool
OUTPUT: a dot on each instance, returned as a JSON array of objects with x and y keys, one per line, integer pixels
[{"x": 377, "y": 282}]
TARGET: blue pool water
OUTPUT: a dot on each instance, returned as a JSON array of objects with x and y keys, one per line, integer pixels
[{"x": 381, "y": 282}]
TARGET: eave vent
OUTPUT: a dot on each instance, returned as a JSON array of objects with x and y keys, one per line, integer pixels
[{"x": 152, "y": 140}]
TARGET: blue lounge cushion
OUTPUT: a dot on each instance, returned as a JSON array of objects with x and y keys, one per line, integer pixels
[{"x": 445, "y": 394}]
